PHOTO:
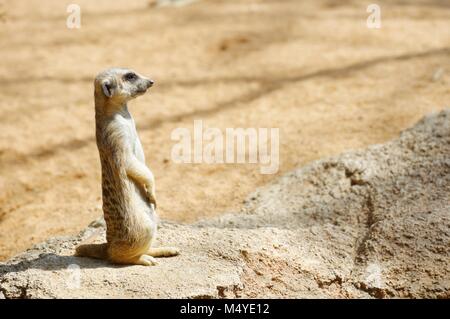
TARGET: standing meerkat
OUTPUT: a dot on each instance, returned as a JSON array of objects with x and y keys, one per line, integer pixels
[{"x": 128, "y": 188}]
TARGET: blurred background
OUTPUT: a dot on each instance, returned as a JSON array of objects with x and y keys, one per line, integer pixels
[{"x": 311, "y": 68}]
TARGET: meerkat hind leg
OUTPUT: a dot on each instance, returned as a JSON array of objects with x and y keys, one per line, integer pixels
[
  {"x": 146, "y": 260},
  {"x": 163, "y": 251}
]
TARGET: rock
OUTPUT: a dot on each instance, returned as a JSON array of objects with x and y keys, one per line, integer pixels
[{"x": 371, "y": 223}]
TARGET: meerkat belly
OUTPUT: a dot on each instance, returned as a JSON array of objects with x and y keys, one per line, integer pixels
[
  {"x": 143, "y": 215},
  {"x": 129, "y": 218},
  {"x": 141, "y": 198},
  {"x": 138, "y": 151}
]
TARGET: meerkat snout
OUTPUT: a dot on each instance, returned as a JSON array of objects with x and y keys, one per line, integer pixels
[{"x": 146, "y": 85}]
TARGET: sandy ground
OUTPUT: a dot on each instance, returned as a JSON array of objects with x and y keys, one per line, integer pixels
[
  {"x": 365, "y": 224},
  {"x": 311, "y": 68}
]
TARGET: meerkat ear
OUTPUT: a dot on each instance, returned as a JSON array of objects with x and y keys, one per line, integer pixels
[{"x": 108, "y": 87}]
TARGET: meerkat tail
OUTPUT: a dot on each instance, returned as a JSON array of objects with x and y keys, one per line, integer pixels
[
  {"x": 92, "y": 250},
  {"x": 163, "y": 252}
]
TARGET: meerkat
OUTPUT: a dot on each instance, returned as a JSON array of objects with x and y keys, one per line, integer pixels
[{"x": 128, "y": 188}]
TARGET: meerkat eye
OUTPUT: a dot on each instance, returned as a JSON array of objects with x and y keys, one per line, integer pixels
[{"x": 130, "y": 76}]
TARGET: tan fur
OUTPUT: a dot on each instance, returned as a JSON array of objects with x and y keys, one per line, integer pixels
[{"x": 128, "y": 188}]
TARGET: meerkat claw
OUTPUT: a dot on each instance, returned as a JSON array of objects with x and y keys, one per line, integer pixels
[{"x": 152, "y": 199}]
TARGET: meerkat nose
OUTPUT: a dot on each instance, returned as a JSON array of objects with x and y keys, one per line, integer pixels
[{"x": 150, "y": 83}]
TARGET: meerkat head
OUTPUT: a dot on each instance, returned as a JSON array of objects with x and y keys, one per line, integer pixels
[{"x": 118, "y": 86}]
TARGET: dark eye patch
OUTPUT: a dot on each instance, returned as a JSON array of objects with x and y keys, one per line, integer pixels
[{"x": 130, "y": 76}]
